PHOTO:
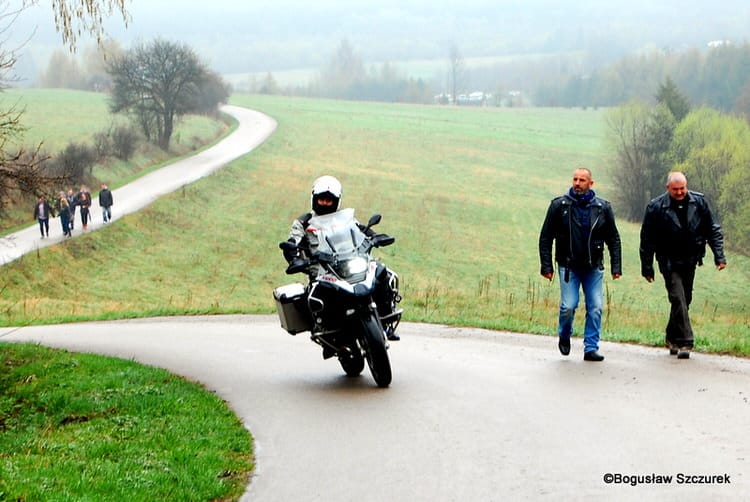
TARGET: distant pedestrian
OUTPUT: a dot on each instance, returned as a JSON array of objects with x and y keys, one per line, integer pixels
[
  {"x": 676, "y": 227},
  {"x": 42, "y": 213},
  {"x": 105, "y": 202},
  {"x": 63, "y": 209},
  {"x": 581, "y": 224},
  {"x": 83, "y": 201},
  {"x": 71, "y": 196}
]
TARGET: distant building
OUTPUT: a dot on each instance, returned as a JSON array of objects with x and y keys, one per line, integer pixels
[{"x": 713, "y": 44}]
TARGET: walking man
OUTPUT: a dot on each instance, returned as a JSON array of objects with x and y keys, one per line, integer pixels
[
  {"x": 106, "y": 202},
  {"x": 42, "y": 213},
  {"x": 581, "y": 224},
  {"x": 676, "y": 227}
]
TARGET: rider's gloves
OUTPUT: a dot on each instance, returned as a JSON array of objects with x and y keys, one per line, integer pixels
[{"x": 297, "y": 265}]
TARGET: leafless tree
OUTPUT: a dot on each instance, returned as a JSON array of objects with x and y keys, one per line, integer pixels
[
  {"x": 74, "y": 18},
  {"x": 457, "y": 70},
  {"x": 22, "y": 170},
  {"x": 156, "y": 83}
]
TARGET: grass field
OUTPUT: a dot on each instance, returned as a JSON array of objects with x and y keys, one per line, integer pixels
[
  {"x": 55, "y": 117},
  {"x": 86, "y": 427},
  {"x": 463, "y": 190}
]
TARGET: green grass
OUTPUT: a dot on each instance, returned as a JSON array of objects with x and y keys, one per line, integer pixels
[
  {"x": 85, "y": 427},
  {"x": 56, "y": 117},
  {"x": 463, "y": 190}
]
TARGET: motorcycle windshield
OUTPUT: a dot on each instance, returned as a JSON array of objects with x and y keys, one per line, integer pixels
[{"x": 337, "y": 233}]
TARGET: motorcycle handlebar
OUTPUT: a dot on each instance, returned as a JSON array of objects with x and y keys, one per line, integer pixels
[
  {"x": 382, "y": 240},
  {"x": 298, "y": 265}
]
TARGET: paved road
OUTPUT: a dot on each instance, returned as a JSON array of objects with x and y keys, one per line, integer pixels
[
  {"x": 471, "y": 415},
  {"x": 254, "y": 128}
]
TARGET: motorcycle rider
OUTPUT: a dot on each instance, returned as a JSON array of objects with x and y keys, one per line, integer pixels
[{"x": 325, "y": 199}]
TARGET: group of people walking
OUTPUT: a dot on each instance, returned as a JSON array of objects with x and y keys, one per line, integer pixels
[
  {"x": 67, "y": 204},
  {"x": 676, "y": 228}
]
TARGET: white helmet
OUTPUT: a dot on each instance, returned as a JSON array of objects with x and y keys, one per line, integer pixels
[{"x": 326, "y": 185}]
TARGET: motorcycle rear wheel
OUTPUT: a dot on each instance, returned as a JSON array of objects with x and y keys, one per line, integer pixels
[{"x": 376, "y": 352}]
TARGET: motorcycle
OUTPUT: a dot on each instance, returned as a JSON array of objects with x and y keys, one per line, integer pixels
[{"x": 338, "y": 306}]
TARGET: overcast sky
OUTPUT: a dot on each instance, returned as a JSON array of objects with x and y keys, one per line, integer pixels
[{"x": 235, "y": 36}]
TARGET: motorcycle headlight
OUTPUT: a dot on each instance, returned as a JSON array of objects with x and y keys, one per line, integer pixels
[{"x": 354, "y": 269}]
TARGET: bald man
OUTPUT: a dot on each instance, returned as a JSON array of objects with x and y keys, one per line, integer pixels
[
  {"x": 580, "y": 223},
  {"x": 676, "y": 227}
]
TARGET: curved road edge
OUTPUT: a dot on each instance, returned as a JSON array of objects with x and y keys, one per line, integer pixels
[{"x": 254, "y": 128}]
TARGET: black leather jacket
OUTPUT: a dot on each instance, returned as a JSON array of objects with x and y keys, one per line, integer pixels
[
  {"x": 572, "y": 248},
  {"x": 662, "y": 235}
]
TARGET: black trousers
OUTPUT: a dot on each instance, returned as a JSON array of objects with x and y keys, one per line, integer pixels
[{"x": 679, "y": 284}]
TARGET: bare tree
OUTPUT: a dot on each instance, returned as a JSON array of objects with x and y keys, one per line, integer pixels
[
  {"x": 155, "y": 84},
  {"x": 74, "y": 18},
  {"x": 628, "y": 133},
  {"x": 62, "y": 72},
  {"x": 23, "y": 170},
  {"x": 456, "y": 70},
  {"x": 343, "y": 72}
]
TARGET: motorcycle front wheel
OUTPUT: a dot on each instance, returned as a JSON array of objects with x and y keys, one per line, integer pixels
[{"x": 375, "y": 351}]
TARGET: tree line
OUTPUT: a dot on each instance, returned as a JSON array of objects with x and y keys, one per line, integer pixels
[
  {"x": 648, "y": 140},
  {"x": 718, "y": 77}
]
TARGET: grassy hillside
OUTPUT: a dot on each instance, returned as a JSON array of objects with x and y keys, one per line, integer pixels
[
  {"x": 55, "y": 118},
  {"x": 463, "y": 190}
]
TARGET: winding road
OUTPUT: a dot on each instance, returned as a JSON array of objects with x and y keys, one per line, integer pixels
[{"x": 471, "y": 415}]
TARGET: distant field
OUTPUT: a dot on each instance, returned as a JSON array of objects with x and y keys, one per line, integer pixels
[
  {"x": 56, "y": 117},
  {"x": 463, "y": 190}
]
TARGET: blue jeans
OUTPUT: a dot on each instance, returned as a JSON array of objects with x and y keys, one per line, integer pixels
[{"x": 591, "y": 282}]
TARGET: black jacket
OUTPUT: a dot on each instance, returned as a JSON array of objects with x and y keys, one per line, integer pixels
[
  {"x": 49, "y": 212},
  {"x": 572, "y": 248},
  {"x": 105, "y": 198},
  {"x": 663, "y": 235}
]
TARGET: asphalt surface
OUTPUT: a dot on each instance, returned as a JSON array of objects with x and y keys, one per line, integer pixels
[{"x": 471, "y": 415}]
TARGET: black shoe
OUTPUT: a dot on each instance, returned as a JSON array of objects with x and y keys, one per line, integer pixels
[
  {"x": 564, "y": 346},
  {"x": 593, "y": 356},
  {"x": 672, "y": 350},
  {"x": 391, "y": 334},
  {"x": 683, "y": 353},
  {"x": 328, "y": 352}
]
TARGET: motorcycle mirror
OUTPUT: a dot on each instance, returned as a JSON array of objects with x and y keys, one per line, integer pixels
[{"x": 374, "y": 220}]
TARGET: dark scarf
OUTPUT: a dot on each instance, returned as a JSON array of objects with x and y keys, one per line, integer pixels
[{"x": 581, "y": 208}]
